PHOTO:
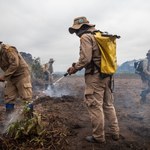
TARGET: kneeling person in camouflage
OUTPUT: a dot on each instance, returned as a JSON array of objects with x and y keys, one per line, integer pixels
[{"x": 16, "y": 76}]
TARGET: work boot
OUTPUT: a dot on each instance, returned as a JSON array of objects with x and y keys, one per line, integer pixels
[
  {"x": 30, "y": 113},
  {"x": 143, "y": 96},
  {"x": 30, "y": 105},
  {"x": 91, "y": 139},
  {"x": 143, "y": 100},
  {"x": 115, "y": 137},
  {"x": 46, "y": 86},
  {"x": 28, "y": 110},
  {"x": 9, "y": 108}
]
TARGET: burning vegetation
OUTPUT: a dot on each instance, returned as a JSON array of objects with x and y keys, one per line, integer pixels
[
  {"x": 34, "y": 132},
  {"x": 61, "y": 121}
]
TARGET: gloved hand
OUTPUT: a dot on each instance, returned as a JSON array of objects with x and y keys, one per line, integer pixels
[
  {"x": 71, "y": 70},
  {"x": 73, "y": 64},
  {"x": 2, "y": 79}
]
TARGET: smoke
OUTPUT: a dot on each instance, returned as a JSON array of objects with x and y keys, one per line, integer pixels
[
  {"x": 11, "y": 118},
  {"x": 57, "y": 90}
]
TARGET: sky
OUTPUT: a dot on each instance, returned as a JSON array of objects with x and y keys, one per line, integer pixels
[{"x": 40, "y": 27}]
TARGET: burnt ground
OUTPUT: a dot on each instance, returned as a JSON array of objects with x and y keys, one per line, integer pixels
[{"x": 66, "y": 101}]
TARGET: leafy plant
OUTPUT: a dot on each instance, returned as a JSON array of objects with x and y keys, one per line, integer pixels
[
  {"x": 29, "y": 124},
  {"x": 30, "y": 131},
  {"x": 36, "y": 69}
]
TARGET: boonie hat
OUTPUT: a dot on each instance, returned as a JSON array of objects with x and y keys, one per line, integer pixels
[
  {"x": 51, "y": 60},
  {"x": 78, "y": 22}
]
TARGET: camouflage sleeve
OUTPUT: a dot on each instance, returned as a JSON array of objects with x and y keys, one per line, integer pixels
[
  {"x": 85, "y": 54},
  {"x": 13, "y": 59},
  {"x": 145, "y": 67}
]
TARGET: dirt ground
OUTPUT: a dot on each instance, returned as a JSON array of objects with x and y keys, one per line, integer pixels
[{"x": 66, "y": 101}]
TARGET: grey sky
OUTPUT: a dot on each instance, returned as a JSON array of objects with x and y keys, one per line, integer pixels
[{"x": 40, "y": 27}]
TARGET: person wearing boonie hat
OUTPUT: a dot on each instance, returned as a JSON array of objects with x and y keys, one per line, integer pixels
[
  {"x": 146, "y": 76},
  {"x": 98, "y": 97},
  {"x": 78, "y": 23}
]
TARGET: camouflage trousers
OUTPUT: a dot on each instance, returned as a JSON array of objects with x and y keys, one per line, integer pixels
[
  {"x": 18, "y": 87},
  {"x": 145, "y": 92},
  {"x": 99, "y": 101}
]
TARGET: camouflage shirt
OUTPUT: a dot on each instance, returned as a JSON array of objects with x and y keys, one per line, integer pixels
[
  {"x": 12, "y": 63},
  {"x": 146, "y": 67},
  {"x": 89, "y": 51}
]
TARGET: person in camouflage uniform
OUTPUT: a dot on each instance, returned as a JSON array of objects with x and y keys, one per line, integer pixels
[
  {"x": 51, "y": 70},
  {"x": 46, "y": 75},
  {"x": 16, "y": 76},
  {"x": 98, "y": 96},
  {"x": 146, "y": 74}
]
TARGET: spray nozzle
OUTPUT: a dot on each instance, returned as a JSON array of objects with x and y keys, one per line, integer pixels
[
  {"x": 65, "y": 74},
  {"x": 60, "y": 78}
]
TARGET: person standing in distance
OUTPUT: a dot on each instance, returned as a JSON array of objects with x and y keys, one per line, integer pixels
[{"x": 146, "y": 77}]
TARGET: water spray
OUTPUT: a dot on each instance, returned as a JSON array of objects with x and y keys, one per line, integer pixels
[{"x": 60, "y": 78}]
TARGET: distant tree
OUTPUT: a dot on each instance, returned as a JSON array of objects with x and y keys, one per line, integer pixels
[
  {"x": 36, "y": 68},
  {"x": 28, "y": 57},
  {"x": 34, "y": 65}
]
